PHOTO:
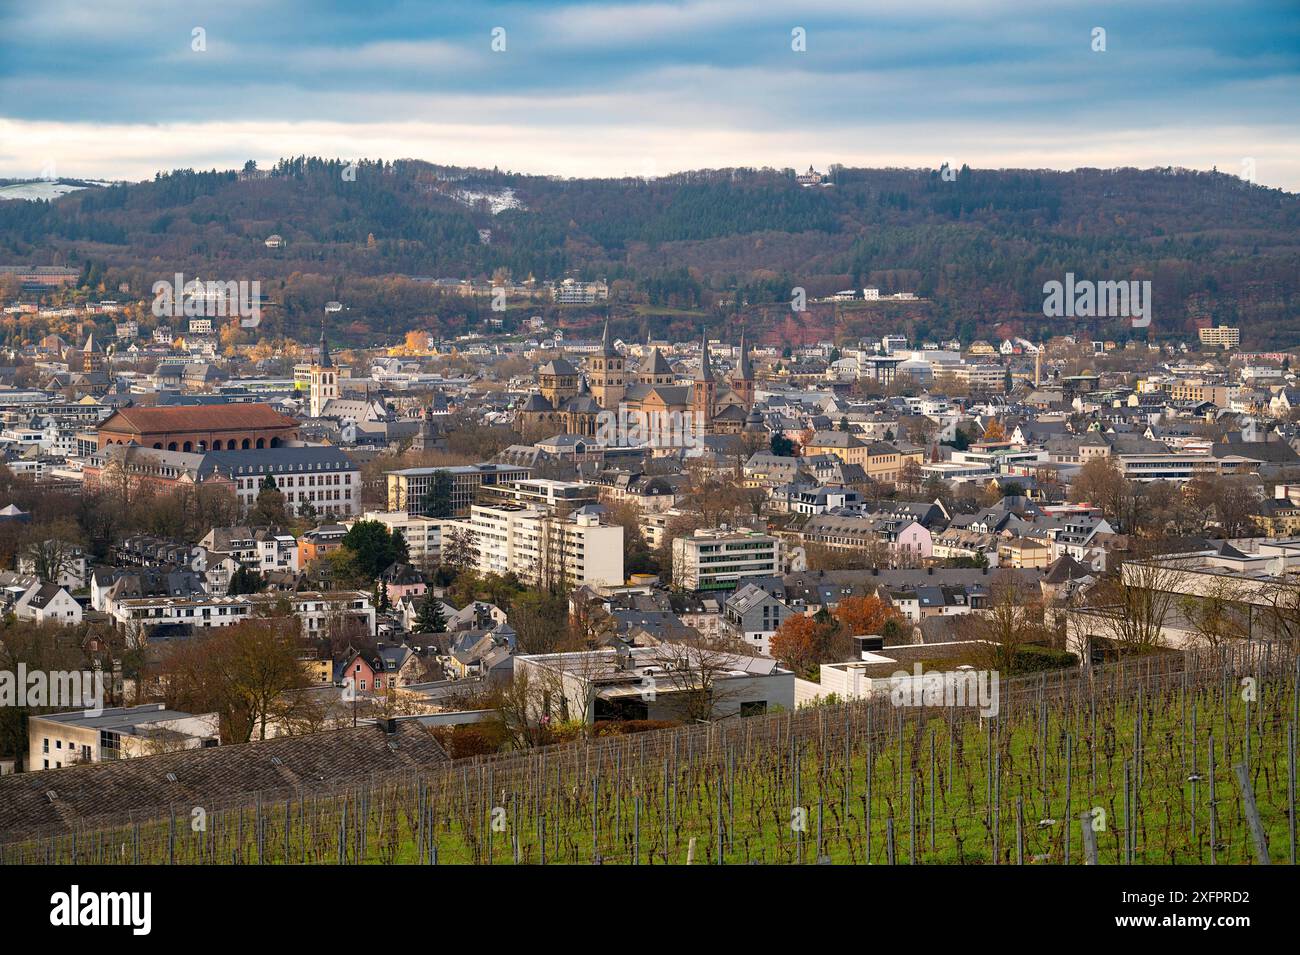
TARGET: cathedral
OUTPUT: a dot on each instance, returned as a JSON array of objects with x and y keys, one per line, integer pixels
[{"x": 569, "y": 401}]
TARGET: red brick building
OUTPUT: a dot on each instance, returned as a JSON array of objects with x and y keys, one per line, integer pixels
[{"x": 199, "y": 428}]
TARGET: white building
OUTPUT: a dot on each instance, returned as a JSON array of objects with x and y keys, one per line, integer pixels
[
  {"x": 657, "y": 683},
  {"x": 716, "y": 559},
  {"x": 55, "y": 740},
  {"x": 48, "y": 603},
  {"x": 315, "y": 610},
  {"x": 539, "y": 547}
]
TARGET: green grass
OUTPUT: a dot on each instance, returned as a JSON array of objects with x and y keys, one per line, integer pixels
[{"x": 859, "y": 768}]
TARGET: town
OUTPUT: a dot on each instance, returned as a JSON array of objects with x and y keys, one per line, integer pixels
[
  {"x": 309, "y": 547},
  {"x": 670, "y": 436}
]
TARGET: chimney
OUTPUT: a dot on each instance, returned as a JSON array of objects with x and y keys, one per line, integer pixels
[
  {"x": 390, "y": 726},
  {"x": 862, "y": 645}
]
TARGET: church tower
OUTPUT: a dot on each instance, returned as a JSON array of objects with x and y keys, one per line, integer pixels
[
  {"x": 608, "y": 375},
  {"x": 704, "y": 389},
  {"x": 742, "y": 379},
  {"x": 324, "y": 378}
]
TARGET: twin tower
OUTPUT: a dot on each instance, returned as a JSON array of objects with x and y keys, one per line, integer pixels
[{"x": 608, "y": 380}]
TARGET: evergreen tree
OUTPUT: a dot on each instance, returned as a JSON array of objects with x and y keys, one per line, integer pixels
[
  {"x": 430, "y": 618},
  {"x": 437, "y": 502},
  {"x": 244, "y": 581}
]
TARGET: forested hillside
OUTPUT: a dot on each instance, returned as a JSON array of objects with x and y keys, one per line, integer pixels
[{"x": 979, "y": 247}]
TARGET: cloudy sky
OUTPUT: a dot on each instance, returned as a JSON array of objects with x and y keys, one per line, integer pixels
[{"x": 114, "y": 89}]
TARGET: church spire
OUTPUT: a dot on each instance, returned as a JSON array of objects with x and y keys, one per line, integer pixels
[
  {"x": 607, "y": 349},
  {"x": 744, "y": 370},
  {"x": 325, "y": 360},
  {"x": 706, "y": 369}
]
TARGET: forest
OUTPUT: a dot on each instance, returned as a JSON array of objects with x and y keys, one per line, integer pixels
[{"x": 975, "y": 245}]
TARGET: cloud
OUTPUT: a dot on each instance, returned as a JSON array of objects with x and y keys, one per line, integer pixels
[{"x": 588, "y": 87}]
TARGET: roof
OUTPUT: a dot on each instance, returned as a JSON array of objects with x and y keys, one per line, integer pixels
[
  {"x": 56, "y": 800},
  {"x": 656, "y": 364},
  {"x": 221, "y": 417}
]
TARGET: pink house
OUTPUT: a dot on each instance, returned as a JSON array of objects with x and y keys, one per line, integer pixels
[{"x": 403, "y": 580}]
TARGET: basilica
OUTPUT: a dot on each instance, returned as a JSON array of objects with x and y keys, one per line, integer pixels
[{"x": 569, "y": 401}]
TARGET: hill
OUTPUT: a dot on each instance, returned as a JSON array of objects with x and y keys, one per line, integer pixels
[{"x": 978, "y": 246}]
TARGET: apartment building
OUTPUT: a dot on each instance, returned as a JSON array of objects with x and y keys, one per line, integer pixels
[
  {"x": 573, "y": 292},
  {"x": 717, "y": 559},
  {"x": 408, "y": 489},
  {"x": 1221, "y": 336},
  {"x": 544, "y": 492},
  {"x": 314, "y": 610},
  {"x": 543, "y": 548},
  {"x": 324, "y": 477}
]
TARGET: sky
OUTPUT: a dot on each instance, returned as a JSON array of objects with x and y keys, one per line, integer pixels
[{"x": 118, "y": 90}]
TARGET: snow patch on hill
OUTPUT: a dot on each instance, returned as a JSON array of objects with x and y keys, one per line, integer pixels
[
  {"x": 44, "y": 189},
  {"x": 497, "y": 201}
]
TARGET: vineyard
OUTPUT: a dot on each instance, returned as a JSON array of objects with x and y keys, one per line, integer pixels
[{"x": 1168, "y": 759}]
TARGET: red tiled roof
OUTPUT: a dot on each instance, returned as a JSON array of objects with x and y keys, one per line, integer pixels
[{"x": 228, "y": 417}]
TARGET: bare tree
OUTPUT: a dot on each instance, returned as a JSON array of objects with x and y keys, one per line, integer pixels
[
  {"x": 1013, "y": 619},
  {"x": 695, "y": 673},
  {"x": 1137, "y": 606}
]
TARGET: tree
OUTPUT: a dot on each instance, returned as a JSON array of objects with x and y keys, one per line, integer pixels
[
  {"x": 1131, "y": 611},
  {"x": 637, "y": 556},
  {"x": 430, "y": 617},
  {"x": 1100, "y": 483},
  {"x": 269, "y": 507},
  {"x": 379, "y": 598},
  {"x": 372, "y": 547},
  {"x": 796, "y": 644},
  {"x": 693, "y": 675},
  {"x": 437, "y": 502},
  {"x": 245, "y": 581},
  {"x": 459, "y": 551},
  {"x": 782, "y": 446},
  {"x": 51, "y": 551},
  {"x": 401, "y": 550},
  {"x": 243, "y": 672},
  {"x": 1012, "y": 619},
  {"x": 1219, "y": 614},
  {"x": 862, "y": 616}
]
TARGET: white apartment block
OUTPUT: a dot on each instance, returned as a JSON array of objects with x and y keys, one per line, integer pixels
[
  {"x": 540, "y": 548},
  {"x": 716, "y": 559},
  {"x": 573, "y": 292},
  {"x": 314, "y": 609}
]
